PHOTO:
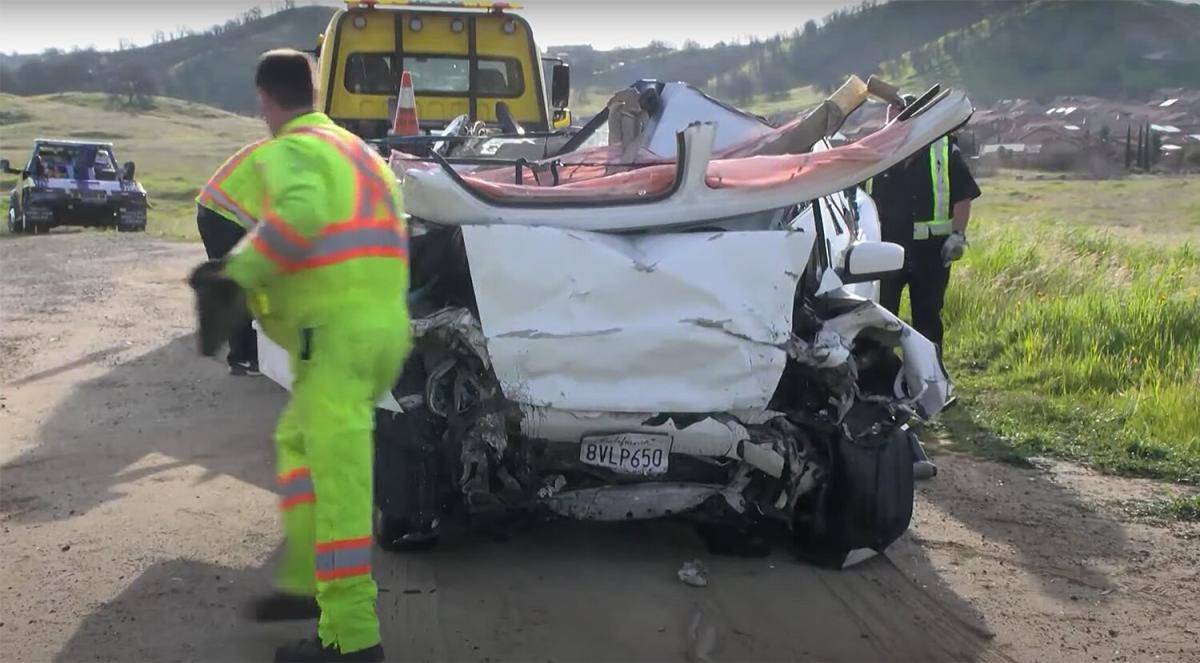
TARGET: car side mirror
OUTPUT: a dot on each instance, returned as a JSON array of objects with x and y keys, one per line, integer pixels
[
  {"x": 560, "y": 85},
  {"x": 869, "y": 261},
  {"x": 6, "y": 167},
  {"x": 127, "y": 172}
]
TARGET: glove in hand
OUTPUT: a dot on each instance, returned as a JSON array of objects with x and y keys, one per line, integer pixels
[
  {"x": 220, "y": 305},
  {"x": 954, "y": 248}
]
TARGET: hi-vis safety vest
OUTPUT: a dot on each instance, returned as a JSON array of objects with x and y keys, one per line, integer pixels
[
  {"x": 234, "y": 191},
  {"x": 939, "y": 174},
  {"x": 334, "y": 244}
]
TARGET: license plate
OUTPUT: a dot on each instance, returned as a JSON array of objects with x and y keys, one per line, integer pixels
[{"x": 631, "y": 453}]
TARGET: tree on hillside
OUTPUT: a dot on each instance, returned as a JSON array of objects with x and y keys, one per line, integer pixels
[
  {"x": 1128, "y": 146},
  {"x": 132, "y": 86}
]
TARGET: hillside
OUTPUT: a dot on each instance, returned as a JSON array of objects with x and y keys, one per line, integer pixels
[
  {"x": 214, "y": 67},
  {"x": 995, "y": 48},
  {"x": 175, "y": 144},
  {"x": 1045, "y": 49}
]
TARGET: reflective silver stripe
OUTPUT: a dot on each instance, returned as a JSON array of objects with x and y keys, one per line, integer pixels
[
  {"x": 939, "y": 157},
  {"x": 343, "y": 558},
  {"x": 927, "y": 229},
  {"x": 353, "y": 240},
  {"x": 280, "y": 244},
  {"x": 228, "y": 205},
  {"x": 295, "y": 487}
]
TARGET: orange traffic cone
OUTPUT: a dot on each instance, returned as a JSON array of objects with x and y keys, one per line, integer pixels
[{"x": 405, "y": 122}]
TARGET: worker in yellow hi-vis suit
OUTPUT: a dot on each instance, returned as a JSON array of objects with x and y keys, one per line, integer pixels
[{"x": 326, "y": 273}]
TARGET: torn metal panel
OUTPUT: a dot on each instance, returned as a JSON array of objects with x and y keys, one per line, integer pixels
[
  {"x": 682, "y": 105},
  {"x": 612, "y": 323},
  {"x": 922, "y": 383}
]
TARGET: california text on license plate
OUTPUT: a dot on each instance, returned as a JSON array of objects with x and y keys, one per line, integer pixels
[{"x": 629, "y": 453}]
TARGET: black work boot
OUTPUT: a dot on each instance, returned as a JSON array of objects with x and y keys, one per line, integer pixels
[
  {"x": 281, "y": 607},
  {"x": 311, "y": 651}
]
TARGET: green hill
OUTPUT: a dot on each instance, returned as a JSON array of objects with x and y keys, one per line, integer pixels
[
  {"x": 215, "y": 67},
  {"x": 176, "y": 144},
  {"x": 995, "y": 48},
  {"x": 1049, "y": 48}
]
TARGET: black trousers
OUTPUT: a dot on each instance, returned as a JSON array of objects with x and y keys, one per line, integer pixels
[
  {"x": 219, "y": 236},
  {"x": 926, "y": 278}
]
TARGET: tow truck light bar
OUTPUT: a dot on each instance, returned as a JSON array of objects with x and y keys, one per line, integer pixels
[{"x": 456, "y": 4}]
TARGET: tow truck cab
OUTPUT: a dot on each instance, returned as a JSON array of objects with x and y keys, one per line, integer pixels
[{"x": 465, "y": 58}]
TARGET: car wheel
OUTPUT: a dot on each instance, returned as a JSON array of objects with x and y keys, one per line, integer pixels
[
  {"x": 399, "y": 535},
  {"x": 13, "y": 227}
]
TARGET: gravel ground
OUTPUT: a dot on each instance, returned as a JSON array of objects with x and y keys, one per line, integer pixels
[{"x": 137, "y": 516}]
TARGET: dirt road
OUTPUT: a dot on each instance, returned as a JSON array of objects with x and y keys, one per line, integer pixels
[{"x": 137, "y": 516}]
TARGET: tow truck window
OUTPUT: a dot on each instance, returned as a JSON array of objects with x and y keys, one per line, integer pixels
[{"x": 376, "y": 73}]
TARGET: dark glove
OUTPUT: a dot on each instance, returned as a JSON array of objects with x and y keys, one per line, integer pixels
[{"x": 220, "y": 305}]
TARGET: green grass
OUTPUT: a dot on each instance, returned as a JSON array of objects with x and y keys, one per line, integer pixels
[
  {"x": 1174, "y": 508},
  {"x": 794, "y": 100},
  {"x": 1073, "y": 325},
  {"x": 176, "y": 145}
]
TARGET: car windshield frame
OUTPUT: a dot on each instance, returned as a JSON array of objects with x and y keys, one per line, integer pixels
[{"x": 70, "y": 156}]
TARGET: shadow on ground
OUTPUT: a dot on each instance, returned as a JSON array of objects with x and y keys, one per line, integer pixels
[
  {"x": 1057, "y": 536},
  {"x": 559, "y": 591},
  {"x": 179, "y": 610},
  {"x": 159, "y": 411}
]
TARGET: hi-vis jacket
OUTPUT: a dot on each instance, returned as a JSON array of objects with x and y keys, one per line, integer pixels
[{"x": 331, "y": 242}]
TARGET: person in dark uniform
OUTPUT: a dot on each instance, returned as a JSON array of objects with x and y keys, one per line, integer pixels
[{"x": 924, "y": 205}]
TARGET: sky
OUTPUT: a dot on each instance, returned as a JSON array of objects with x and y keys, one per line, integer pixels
[{"x": 31, "y": 26}]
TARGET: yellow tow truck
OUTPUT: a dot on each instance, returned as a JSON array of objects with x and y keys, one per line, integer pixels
[{"x": 468, "y": 58}]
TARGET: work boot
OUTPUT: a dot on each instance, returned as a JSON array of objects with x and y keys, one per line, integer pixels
[
  {"x": 244, "y": 368},
  {"x": 280, "y": 607},
  {"x": 307, "y": 651}
]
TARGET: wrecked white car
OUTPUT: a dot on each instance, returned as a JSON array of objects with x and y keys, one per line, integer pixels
[{"x": 680, "y": 323}]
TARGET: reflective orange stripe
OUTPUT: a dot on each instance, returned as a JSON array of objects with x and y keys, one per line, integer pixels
[
  {"x": 344, "y": 558},
  {"x": 370, "y": 178},
  {"x": 296, "y": 487},
  {"x": 334, "y": 244},
  {"x": 214, "y": 194},
  {"x": 224, "y": 171}
]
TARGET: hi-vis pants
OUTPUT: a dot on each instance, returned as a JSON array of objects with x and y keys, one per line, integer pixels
[{"x": 325, "y": 453}]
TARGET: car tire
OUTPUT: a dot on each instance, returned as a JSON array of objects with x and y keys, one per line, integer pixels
[
  {"x": 14, "y": 228},
  {"x": 399, "y": 535}
]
